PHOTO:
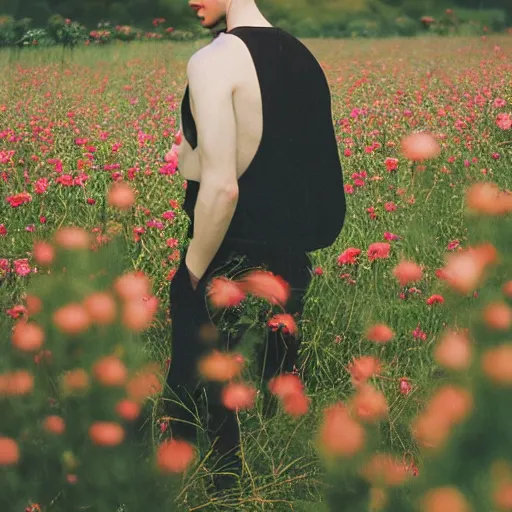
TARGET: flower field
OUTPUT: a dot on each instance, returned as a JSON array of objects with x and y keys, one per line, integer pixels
[{"x": 402, "y": 309}]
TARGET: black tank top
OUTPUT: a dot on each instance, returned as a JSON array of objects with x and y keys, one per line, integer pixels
[{"x": 292, "y": 192}]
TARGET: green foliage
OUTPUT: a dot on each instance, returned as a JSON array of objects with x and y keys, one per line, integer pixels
[
  {"x": 71, "y": 469},
  {"x": 66, "y": 32},
  {"x": 37, "y": 37},
  {"x": 7, "y": 31}
]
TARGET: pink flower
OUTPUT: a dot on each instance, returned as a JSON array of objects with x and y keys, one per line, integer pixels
[
  {"x": 453, "y": 245},
  {"x": 22, "y": 267},
  {"x": 349, "y": 256},
  {"x": 4, "y": 265},
  {"x": 17, "y": 311},
  {"x": 390, "y": 207},
  {"x": 390, "y": 236},
  {"x": 3, "y": 230},
  {"x": 169, "y": 215},
  {"x": 378, "y": 250},
  {"x": 504, "y": 121},
  {"x": 405, "y": 386},
  {"x": 419, "y": 334},
  {"x": 41, "y": 185},
  {"x": 499, "y": 103}
]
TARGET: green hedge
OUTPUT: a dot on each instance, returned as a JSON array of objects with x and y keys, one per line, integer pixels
[{"x": 381, "y": 22}]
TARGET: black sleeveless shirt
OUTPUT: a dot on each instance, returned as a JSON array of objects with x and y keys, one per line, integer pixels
[{"x": 292, "y": 192}]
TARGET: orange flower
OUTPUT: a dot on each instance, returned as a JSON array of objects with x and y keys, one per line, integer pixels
[
  {"x": 296, "y": 404},
  {"x": 383, "y": 469},
  {"x": 420, "y": 146},
  {"x": 75, "y": 380},
  {"x": 133, "y": 286},
  {"x": 502, "y": 496},
  {"x": 128, "y": 410},
  {"x": 121, "y": 195},
  {"x": 72, "y": 237},
  {"x": 34, "y": 304},
  {"x": 219, "y": 366},
  {"x": 497, "y": 364},
  {"x": 444, "y": 499},
  {"x": 430, "y": 430},
  {"x": 136, "y": 315},
  {"x": 9, "y": 451},
  {"x": 362, "y": 368},
  {"x": 463, "y": 271},
  {"x": 284, "y": 385},
  {"x": 174, "y": 456},
  {"x": 27, "y": 336},
  {"x": 71, "y": 319},
  {"x": 339, "y": 433},
  {"x": 454, "y": 351},
  {"x": 285, "y": 321},
  {"x": 266, "y": 285},
  {"x": 498, "y": 316},
  {"x": 486, "y": 198},
  {"x": 369, "y": 404},
  {"x": 43, "y": 253},
  {"x": 407, "y": 272},
  {"x": 236, "y": 396},
  {"x": 454, "y": 403},
  {"x": 54, "y": 425},
  {"x": 380, "y": 333},
  {"x": 225, "y": 293},
  {"x": 101, "y": 308},
  {"x": 16, "y": 383},
  {"x": 143, "y": 385},
  {"x": 110, "y": 371},
  {"x": 507, "y": 289},
  {"x": 106, "y": 433}
]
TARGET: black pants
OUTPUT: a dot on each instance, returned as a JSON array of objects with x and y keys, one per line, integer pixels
[{"x": 190, "y": 312}]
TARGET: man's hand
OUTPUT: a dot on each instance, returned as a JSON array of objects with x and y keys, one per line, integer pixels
[
  {"x": 193, "y": 270},
  {"x": 193, "y": 279}
]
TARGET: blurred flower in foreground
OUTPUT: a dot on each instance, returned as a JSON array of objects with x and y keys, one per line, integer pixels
[{"x": 420, "y": 146}]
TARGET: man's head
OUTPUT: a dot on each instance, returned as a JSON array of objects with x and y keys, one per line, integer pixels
[{"x": 213, "y": 12}]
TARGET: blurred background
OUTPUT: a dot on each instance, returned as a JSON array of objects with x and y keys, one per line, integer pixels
[{"x": 24, "y": 21}]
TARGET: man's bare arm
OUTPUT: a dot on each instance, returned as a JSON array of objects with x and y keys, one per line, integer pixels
[{"x": 211, "y": 92}]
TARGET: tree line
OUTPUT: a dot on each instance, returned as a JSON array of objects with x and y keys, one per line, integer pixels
[{"x": 305, "y": 13}]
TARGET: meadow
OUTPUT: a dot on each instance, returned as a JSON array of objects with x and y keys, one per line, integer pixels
[{"x": 74, "y": 122}]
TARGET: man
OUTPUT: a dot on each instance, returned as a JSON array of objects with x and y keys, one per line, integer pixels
[{"x": 264, "y": 188}]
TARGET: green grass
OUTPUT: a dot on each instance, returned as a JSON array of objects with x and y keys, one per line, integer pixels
[{"x": 448, "y": 85}]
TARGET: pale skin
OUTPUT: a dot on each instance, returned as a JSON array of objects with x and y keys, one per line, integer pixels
[{"x": 220, "y": 92}]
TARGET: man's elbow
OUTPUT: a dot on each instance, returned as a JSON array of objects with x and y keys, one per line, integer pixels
[{"x": 228, "y": 191}]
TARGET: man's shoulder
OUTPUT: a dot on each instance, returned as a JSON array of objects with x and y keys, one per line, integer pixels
[
  {"x": 221, "y": 49},
  {"x": 216, "y": 58}
]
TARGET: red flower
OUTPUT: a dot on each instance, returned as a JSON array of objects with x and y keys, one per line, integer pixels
[
  {"x": 435, "y": 299},
  {"x": 19, "y": 199},
  {"x": 349, "y": 256},
  {"x": 378, "y": 250},
  {"x": 391, "y": 164}
]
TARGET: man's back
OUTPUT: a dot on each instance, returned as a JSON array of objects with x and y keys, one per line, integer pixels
[{"x": 290, "y": 176}]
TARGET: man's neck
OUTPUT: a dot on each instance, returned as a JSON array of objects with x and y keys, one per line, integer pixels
[{"x": 242, "y": 15}]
